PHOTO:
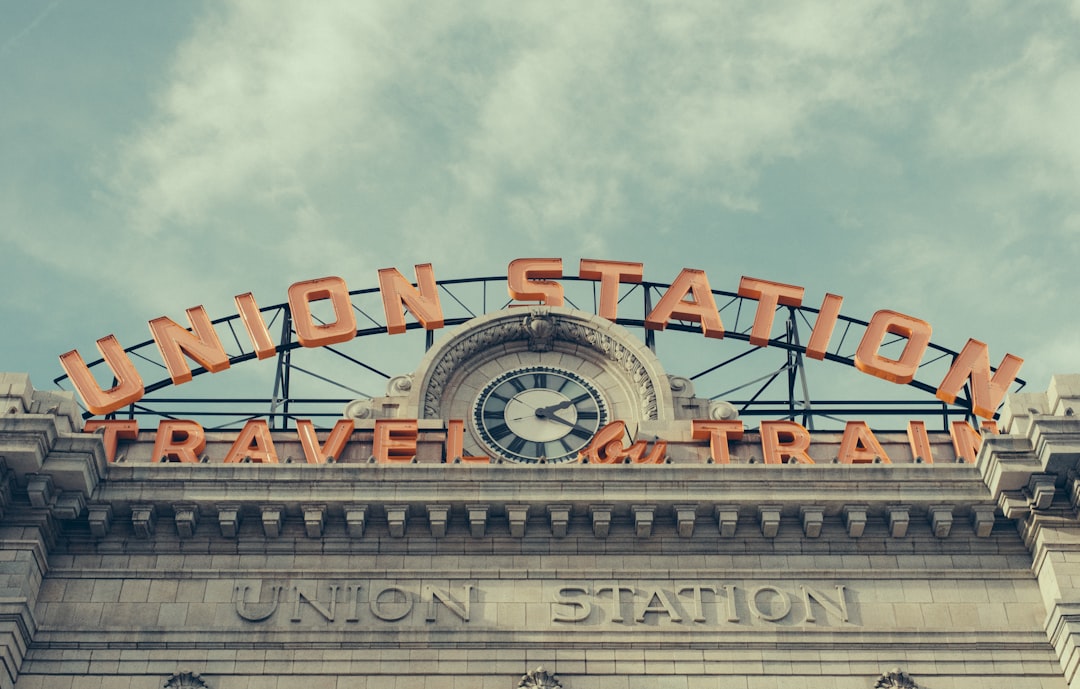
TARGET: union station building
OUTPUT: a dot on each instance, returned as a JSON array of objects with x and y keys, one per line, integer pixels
[{"x": 539, "y": 503}]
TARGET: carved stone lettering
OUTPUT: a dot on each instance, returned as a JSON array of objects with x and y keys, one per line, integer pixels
[
  {"x": 392, "y": 607},
  {"x": 418, "y": 604},
  {"x": 773, "y": 606},
  {"x": 259, "y": 611}
]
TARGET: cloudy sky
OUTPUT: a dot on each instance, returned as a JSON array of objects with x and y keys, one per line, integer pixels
[{"x": 922, "y": 156}]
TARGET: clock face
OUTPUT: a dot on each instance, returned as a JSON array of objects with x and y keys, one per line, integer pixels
[{"x": 537, "y": 412}]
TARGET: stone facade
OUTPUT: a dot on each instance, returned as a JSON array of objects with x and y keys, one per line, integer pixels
[{"x": 140, "y": 575}]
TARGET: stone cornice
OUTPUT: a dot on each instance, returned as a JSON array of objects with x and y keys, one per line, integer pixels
[
  {"x": 828, "y": 485},
  {"x": 750, "y": 498}
]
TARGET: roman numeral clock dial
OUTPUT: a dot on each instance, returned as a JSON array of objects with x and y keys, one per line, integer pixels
[{"x": 537, "y": 412}]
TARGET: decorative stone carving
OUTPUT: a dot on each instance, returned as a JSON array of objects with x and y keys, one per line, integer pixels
[
  {"x": 518, "y": 516},
  {"x": 584, "y": 334},
  {"x": 895, "y": 679},
  {"x": 855, "y": 517},
  {"x": 769, "y": 516},
  {"x": 539, "y": 679},
  {"x": 69, "y": 505},
  {"x": 601, "y": 520},
  {"x": 982, "y": 520},
  {"x": 228, "y": 519},
  {"x": 100, "y": 519},
  {"x": 355, "y": 519},
  {"x": 143, "y": 518},
  {"x": 359, "y": 409},
  {"x": 643, "y": 519},
  {"x": 727, "y": 519},
  {"x": 185, "y": 680},
  {"x": 719, "y": 410},
  {"x": 438, "y": 516},
  {"x": 399, "y": 385},
  {"x": 272, "y": 518},
  {"x": 941, "y": 519},
  {"x": 40, "y": 489},
  {"x": 477, "y": 515},
  {"x": 1041, "y": 487},
  {"x": 685, "y": 516},
  {"x": 684, "y": 387},
  {"x": 813, "y": 517},
  {"x": 479, "y": 340},
  {"x": 186, "y": 518},
  {"x": 899, "y": 520},
  {"x": 560, "y": 519},
  {"x": 396, "y": 518},
  {"x": 314, "y": 519},
  {"x": 539, "y": 331}
]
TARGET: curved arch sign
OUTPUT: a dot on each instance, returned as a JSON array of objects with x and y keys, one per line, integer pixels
[{"x": 688, "y": 299}]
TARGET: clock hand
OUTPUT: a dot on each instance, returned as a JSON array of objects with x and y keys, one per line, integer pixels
[
  {"x": 543, "y": 412},
  {"x": 571, "y": 424}
]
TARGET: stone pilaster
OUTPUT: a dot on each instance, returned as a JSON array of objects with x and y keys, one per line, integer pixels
[
  {"x": 1032, "y": 472},
  {"x": 48, "y": 471}
]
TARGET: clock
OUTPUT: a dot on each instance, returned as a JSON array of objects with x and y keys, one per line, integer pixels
[{"x": 538, "y": 412}]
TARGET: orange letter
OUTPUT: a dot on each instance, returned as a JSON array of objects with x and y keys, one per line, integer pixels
[
  {"x": 973, "y": 363},
  {"x": 606, "y": 446},
  {"x": 200, "y": 343},
  {"x": 900, "y": 370},
  {"x": 179, "y": 441},
  {"x": 423, "y": 303},
  {"x": 768, "y": 295},
  {"x": 342, "y": 329},
  {"x": 966, "y": 441},
  {"x": 335, "y": 442},
  {"x": 610, "y": 274},
  {"x": 657, "y": 455},
  {"x": 254, "y": 442},
  {"x": 255, "y": 325},
  {"x": 920, "y": 441},
  {"x": 455, "y": 442},
  {"x": 113, "y": 431},
  {"x": 395, "y": 440},
  {"x": 793, "y": 445},
  {"x": 718, "y": 433},
  {"x": 823, "y": 326},
  {"x": 701, "y": 309},
  {"x": 522, "y": 288},
  {"x": 860, "y": 446},
  {"x": 128, "y": 388}
]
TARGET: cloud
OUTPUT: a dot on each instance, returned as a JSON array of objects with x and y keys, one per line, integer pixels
[
  {"x": 405, "y": 133},
  {"x": 1021, "y": 116},
  {"x": 552, "y": 118},
  {"x": 259, "y": 98}
]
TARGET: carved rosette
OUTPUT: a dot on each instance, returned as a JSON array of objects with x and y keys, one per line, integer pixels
[
  {"x": 539, "y": 679},
  {"x": 185, "y": 680},
  {"x": 895, "y": 679}
]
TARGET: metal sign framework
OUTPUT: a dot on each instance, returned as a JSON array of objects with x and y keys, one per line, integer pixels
[{"x": 784, "y": 380}]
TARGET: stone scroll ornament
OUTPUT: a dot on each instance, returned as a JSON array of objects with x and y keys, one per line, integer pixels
[
  {"x": 895, "y": 679},
  {"x": 539, "y": 679},
  {"x": 185, "y": 680},
  {"x": 540, "y": 329}
]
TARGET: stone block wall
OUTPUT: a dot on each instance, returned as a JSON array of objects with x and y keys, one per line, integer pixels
[{"x": 683, "y": 576}]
